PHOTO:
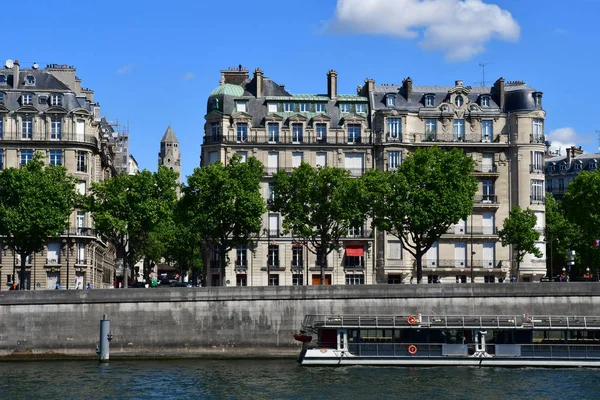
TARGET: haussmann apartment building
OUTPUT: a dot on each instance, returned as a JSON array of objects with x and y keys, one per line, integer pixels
[{"x": 501, "y": 127}]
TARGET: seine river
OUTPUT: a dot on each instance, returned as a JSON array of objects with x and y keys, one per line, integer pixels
[{"x": 284, "y": 379}]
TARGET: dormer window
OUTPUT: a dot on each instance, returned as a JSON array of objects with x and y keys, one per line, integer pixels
[
  {"x": 485, "y": 101},
  {"x": 345, "y": 107},
  {"x": 55, "y": 100},
  {"x": 320, "y": 107},
  {"x": 288, "y": 107},
  {"x": 459, "y": 101},
  {"x": 429, "y": 100},
  {"x": 272, "y": 107},
  {"x": 304, "y": 107},
  {"x": 1, "y": 98},
  {"x": 29, "y": 80},
  {"x": 241, "y": 106},
  {"x": 26, "y": 99},
  {"x": 361, "y": 108},
  {"x": 391, "y": 100},
  {"x": 563, "y": 167},
  {"x": 42, "y": 99},
  {"x": 593, "y": 164},
  {"x": 537, "y": 97},
  {"x": 2, "y": 79},
  {"x": 578, "y": 165},
  {"x": 551, "y": 168}
]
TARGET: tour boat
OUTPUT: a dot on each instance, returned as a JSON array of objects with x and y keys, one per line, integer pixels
[{"x": 434, "y": 340}]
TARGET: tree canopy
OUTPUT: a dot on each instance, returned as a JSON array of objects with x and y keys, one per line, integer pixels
[
  {"x": 519, "y": 231},
  {"x": 431, "y": 190},
  {"x": 223, "y": 204},
  {"x": 319, "y": 206},
  {"x": 36, "y": 201},
  {"x": 561, "y": 235},
  {"x": 128, "y": 208}
]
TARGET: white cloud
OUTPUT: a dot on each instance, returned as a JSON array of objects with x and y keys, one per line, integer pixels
[
  {"x": 187, "y": 76},
  {"x": 563, "y": 138},
  {"x": 124, "y": 68},
  {"x": 459, "y": 28}
]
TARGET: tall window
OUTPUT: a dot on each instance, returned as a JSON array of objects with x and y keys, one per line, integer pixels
[
  {"x": 273, "y": 132},
  {"x": 288, "y": 107},
  {"x": 297, "y": 280},
  {"x": 459, "y": 129},
  {"x": 273, "y": 258},
  {"x": 320, "y": 107},
  {"x": 304, "y": 107},
  {"x": 394, "y": 160},
  {"x": 394, "y": 126},
  {"x": 274, "y": 280},
  {"x": 538, "y": 129},
  {"x": 345, "y": 107},
  {"x": 430, "y": 129},
  {"x": 321, "y": 133},
  {"x": 297, "y": 133},
  {"x": 353, "y": 133},
  {"x": 537, "y": 161},
  {"x": 215, "y": 131},
  {"x": 81, "y": 161},
  {"x": 55, "y": 129},
  {"x": 297, "y": 259},
  {"x": 1, "y": 96},
  {"x": 242, "y": 132},
  {"x": 241, "y": 280},
  {"x": 1, "y": 159},
  {"x": 26, "y": 127},
  {"x": 537, "y": 190},
  {"x": 487, "y": 130},
  {"x": 488, "y": 191},
  {"x": 361, "y": 108},
  {"x": 1, "y": 127},
  {"x": 26, "y": 156},
  {"x": 55, "y": 157},
  {"x": 272, "y": 107},
  {"x": 271, "y": 192},
  {"x": 241, "y": 257},
  {"x": 561, "y": 184}
]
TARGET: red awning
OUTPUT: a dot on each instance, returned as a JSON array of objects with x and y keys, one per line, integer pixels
[{"x": 355, "y": 251}]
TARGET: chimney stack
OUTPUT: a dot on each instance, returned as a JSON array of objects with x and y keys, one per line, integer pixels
[
  {"x": 499, "y": 89},
  {"x": 16, "y": 78},
  {"x": 332, "y": 84},
  {"x": 234, "y": 76},
  {"x": 368, "y": 87},
  {"x": 570, "y": 154},
  {"x": 258, "y": 77},
  {"x": 407, "y": 88}
]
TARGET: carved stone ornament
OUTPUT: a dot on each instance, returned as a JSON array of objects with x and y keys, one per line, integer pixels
[
  {"x": 445, "y": 124},
  {"x": 459, "y": 113}
]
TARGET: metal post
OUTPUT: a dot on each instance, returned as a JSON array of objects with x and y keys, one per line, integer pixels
[
  {"x": 68, "y": 251},
  {"x": 105, "y": 338},
  {"x": 268, "y": 255}
]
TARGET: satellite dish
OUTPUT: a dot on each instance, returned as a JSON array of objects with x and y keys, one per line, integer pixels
[
  {"x": 9, "y": 63},
  {"x": 35, "y": 66}
]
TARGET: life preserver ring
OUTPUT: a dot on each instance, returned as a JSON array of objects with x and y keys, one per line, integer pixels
[
  {"x": 411, "y": 320},
  {"x": 412, "y": 349}
]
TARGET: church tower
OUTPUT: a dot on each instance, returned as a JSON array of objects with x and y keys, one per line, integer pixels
[{"x": 169, "y": 154}]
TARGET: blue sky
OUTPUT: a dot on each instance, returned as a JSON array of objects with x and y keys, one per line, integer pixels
[{"x": 153, "y": 63}]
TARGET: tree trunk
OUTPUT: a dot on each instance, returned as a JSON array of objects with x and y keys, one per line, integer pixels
[
  {"x": 517, "y": 277},
  {"x": 419, "y": 261},
  {"x": 22, "y": 274},
  {"x": 223, "y": 259},
  {"x": 321, "y": 260}
]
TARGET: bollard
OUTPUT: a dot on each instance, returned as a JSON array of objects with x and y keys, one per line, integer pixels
[{"x": 105, "y": 338}]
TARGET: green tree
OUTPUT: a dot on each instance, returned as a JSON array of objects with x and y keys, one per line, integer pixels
[
  {"x": 128, "y": 208},
  {"x": 35, "y": 203},
  {"x": 182, "y": 243},
  {"x": 581, "y": 206},
  {"x": 431, "y": 190},
  {"x": 224, "y": 206},
  {"x": 519, "y": 231},
  {"x": 319, "y": 205},
  {"x": 561, "y": 235}
]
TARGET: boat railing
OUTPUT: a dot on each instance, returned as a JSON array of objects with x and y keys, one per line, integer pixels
[
  {"x": 524, "y": 321},
  {"x": 551, "y": 351}
]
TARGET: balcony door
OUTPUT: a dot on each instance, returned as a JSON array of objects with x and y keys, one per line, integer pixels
[
  {"x": 488, "y": 223},
  {"x": 354, "y": 163},
  {"x": 460, "y": 254},
  {"x": 488, "y": 191},
  {"x": 273, "y": 162},
  {"x": 487, "y": 162},
  {"x": 488, "y": 254},
  {"x": 432, "y": 256},
  {"x": 80, "y": 129}
]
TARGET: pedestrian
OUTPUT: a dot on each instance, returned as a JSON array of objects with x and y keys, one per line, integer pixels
[
  {"x": 89, "y": 286},
  {"x": 57, "y": 286}
]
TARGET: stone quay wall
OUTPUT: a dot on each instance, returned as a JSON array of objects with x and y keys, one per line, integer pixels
[{"x": 246, "y": 322}]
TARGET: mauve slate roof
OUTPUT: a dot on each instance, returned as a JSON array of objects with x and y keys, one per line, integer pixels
[{"x": 584, "y": 159}]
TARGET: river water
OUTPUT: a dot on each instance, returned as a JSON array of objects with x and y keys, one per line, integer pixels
[{"x": 284, "y": 379}]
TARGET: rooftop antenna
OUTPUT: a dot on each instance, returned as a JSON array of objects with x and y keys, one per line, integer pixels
[{"x": 482, "y": 66}]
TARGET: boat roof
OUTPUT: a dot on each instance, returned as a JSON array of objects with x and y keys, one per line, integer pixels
[{"x": 523, "y": 321}]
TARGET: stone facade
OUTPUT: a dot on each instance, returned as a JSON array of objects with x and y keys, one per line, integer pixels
[
  {"x": 501, "y": 127},
  {"x": 48, "y": 111}
]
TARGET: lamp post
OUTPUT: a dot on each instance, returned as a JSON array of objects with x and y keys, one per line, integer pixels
[{"x": 268, "y": 233}]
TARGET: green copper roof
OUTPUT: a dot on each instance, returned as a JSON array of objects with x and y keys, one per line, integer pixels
[
  {"x": 299, "y": 97},
  {"x": 352, "y": 97},
  {"x": 229, "y": 89}
]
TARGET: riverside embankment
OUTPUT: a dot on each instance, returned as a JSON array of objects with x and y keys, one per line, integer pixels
[{"x": 249, "y": 321}]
